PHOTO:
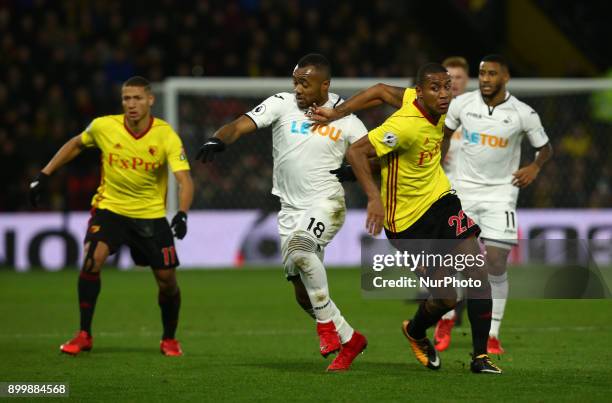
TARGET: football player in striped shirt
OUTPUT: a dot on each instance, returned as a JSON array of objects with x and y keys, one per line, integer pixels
[
  {"x": 416, "y": 202},
  {"x": 129, "y": 206}
]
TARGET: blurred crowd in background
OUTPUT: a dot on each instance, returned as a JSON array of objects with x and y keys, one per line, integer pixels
[{"x": 62, "y": 64}]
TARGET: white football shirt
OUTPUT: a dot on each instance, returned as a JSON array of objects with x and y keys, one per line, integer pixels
[
  {"x": 303, "y": 151},
  {"x": 491, "y": 144}
]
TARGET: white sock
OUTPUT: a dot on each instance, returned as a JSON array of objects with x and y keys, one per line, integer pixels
[
  {"x": 499, "y": 293},
  {"x": 314, "y": 277},
  {"x": 450, "y": 315},
  {"x": 345, "y": 331}
]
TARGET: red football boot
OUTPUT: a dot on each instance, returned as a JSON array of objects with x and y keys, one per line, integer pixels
[
  {"x": 442, "y": 334},
  {"x": 494, "y": 346},
  {"x": 170, "y": 348},
  {"x": 329, "y": 342},
  {"x": 81, "y": 342},
  {"x": 350, "y": 350}
]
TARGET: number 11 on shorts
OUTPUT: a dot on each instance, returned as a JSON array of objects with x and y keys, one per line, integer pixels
[
  {"x": 169, "y": 255},
  {"x": 510, "y": 219}
]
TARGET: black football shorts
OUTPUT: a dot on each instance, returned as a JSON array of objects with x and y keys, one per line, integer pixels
[
  {"x": 150, "y": 241},
  {"x": 445, "y": 219}
]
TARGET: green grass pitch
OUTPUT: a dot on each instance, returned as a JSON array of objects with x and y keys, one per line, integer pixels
[{"x": 245, "y": 339}]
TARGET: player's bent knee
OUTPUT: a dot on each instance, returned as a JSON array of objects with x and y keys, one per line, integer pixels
[
  {"x": 95, "y": 256},
  {"x": 497, "y": 258},
  {"x": 301, "y": 241},
  {"x": 165, "y": 274},
  {"x": 496, "y": 266},
  {"x": 166, "y": 281},
  {"x": 301, "y": 247}
]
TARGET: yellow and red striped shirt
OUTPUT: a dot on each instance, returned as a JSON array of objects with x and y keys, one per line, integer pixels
[
  {"x": 134, "y": 176},
  {"x": 408, "y": 144}
]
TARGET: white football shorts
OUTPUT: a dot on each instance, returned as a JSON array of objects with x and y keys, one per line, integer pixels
[
  {"x": 497, "y": 221},
  {"x": 322, "y": 221}
]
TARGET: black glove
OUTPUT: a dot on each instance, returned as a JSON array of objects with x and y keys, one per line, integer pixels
[
  {"x": 37, "y": 187},
  {"x": 179, "y": 224},
  {"x": 344, "y": 173},
  {"x": 209, "y": 148}
]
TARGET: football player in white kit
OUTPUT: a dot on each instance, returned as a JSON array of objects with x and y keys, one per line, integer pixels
[
  {"x": 488, "y": 177},
  {"x": 312, "y": 198}
]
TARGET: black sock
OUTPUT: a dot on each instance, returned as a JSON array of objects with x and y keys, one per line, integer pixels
[
  {"x": 89, "y": 288},
  {"x": 170, "y": 305},
  {"x": 459, "y": 312},
  {"x": 479, "y": 312},
  {"x": 428, "y": 314}
]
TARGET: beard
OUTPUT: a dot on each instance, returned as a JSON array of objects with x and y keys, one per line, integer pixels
[{"x": 495, "y": 90}]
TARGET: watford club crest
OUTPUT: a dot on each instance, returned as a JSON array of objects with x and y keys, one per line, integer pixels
[{"x": 153, "y": 150}]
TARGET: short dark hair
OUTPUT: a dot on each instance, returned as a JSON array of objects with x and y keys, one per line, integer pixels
[
  {"x": 457, "y": 61},
  {"x": 317, "y": 60},
  {"x": 138, "y": 81},
  {"x": 428, "y": 68},
  {"x": 495, "y": 58}
]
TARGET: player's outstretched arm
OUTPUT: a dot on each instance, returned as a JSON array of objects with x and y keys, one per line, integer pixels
[
  {"x": 524, "y": 176},
  {"x": 65, "y": 154},
  {"x": 376, "y": 95},
  {"x": 227, "y": 134},
  {"x": 359, "y": 155},
  {"x": 185, "y": 195}
]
